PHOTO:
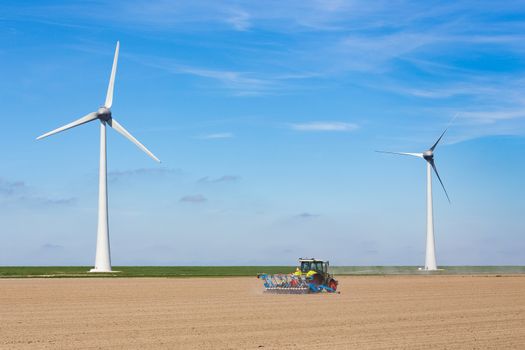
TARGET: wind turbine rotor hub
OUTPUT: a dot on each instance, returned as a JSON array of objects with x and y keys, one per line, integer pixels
[
  {"x": 428, "y": 155},
  {"x": 104, "y": 114}
]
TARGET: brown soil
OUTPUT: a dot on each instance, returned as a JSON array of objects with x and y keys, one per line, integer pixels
[{"x": 393, "y": 312}]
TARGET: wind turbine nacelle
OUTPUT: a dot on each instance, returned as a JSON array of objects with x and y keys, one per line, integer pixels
[{"x": 104, "y": 114}]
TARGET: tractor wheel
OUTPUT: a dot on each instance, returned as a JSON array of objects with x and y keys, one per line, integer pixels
[{"x": 332, "y": 284}]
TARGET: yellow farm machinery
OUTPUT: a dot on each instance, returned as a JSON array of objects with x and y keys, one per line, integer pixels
[{"x": 311, "y": 276}]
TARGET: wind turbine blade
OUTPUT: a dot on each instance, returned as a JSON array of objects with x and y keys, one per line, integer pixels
[
  {"x": 439, "y": 178},
  {"x": 109, "y": 95},
  {"x": 449, "y": 124},
  {"x": 120, "y": 129},
  {"x": 419, "y": 155},
  {"x": 435, "y": 144},
  {"x": 85, "y": 119}
]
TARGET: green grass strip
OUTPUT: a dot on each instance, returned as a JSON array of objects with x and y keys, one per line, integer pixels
[{"x": 232, "y": 271}]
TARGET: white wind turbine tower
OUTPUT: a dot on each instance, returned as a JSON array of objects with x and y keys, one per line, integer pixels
[
  {"x": 103, "y": 114},
  {"x": 428, "y": 156}
]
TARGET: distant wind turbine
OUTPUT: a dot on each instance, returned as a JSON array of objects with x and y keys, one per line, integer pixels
[
  {"x": 428, "y": 155},
  {"x": 103, "y": 114}
]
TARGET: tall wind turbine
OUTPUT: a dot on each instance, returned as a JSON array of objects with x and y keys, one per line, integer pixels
[
  {"x": 428, "y": 156},
  {"x": 103, "y": 114}
]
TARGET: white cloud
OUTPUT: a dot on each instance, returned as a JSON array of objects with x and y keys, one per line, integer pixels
[
  {"x": 324, "y": 126},
  {"x": 221, "y": 135},
  {"x": 224, "y": 178},
  {"x": 242, "y": 83},
  {"x": 240, "y": 20},
  {"x": 238, "y": 80}
]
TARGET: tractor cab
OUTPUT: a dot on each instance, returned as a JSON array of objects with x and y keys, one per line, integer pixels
[{"x": 318, "y": 266}]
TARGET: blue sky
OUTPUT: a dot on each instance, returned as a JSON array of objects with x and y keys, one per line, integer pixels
[{"x": 266, "y": 116}]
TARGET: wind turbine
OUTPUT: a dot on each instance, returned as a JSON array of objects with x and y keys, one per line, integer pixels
[
  {"x": 428, "y": 156},
  {"x": 103, "y": 114}
]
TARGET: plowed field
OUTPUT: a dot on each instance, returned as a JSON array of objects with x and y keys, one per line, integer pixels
[{"x": 376, "y": 312}]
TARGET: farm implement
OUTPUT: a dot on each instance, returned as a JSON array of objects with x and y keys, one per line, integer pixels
[{"x": 310, "y": 277}]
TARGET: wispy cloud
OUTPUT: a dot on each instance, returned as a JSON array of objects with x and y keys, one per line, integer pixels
[
  {"x": 196, "y": 198},
  {"x": 51, "y": 201},
  {"x": 244, "y": 83},
  {"x": 51, "y": 246},
  {"x": 263, "y": 77},
  {"x": 307, "y": 215},
  {"x": 494, "y": 120},
  {"x": 119, "y": 174},
  {"x": 224, "y": 178},
  {"x": 19, "y": 192},
  {"x": 488, "y": 104},
  {"x": 240, "y": 83},
  {"x": 490, "y": 117},
  {"x": 9, "y": 188},
  {"x": 221, "y": 135},
  {"x": 324, "y": 126},
  {"x": 240, "y": 20},
  {"x": 371, "y": 44}
]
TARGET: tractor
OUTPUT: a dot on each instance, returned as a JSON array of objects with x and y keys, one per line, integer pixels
[{"x": 311, "y": 276}]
